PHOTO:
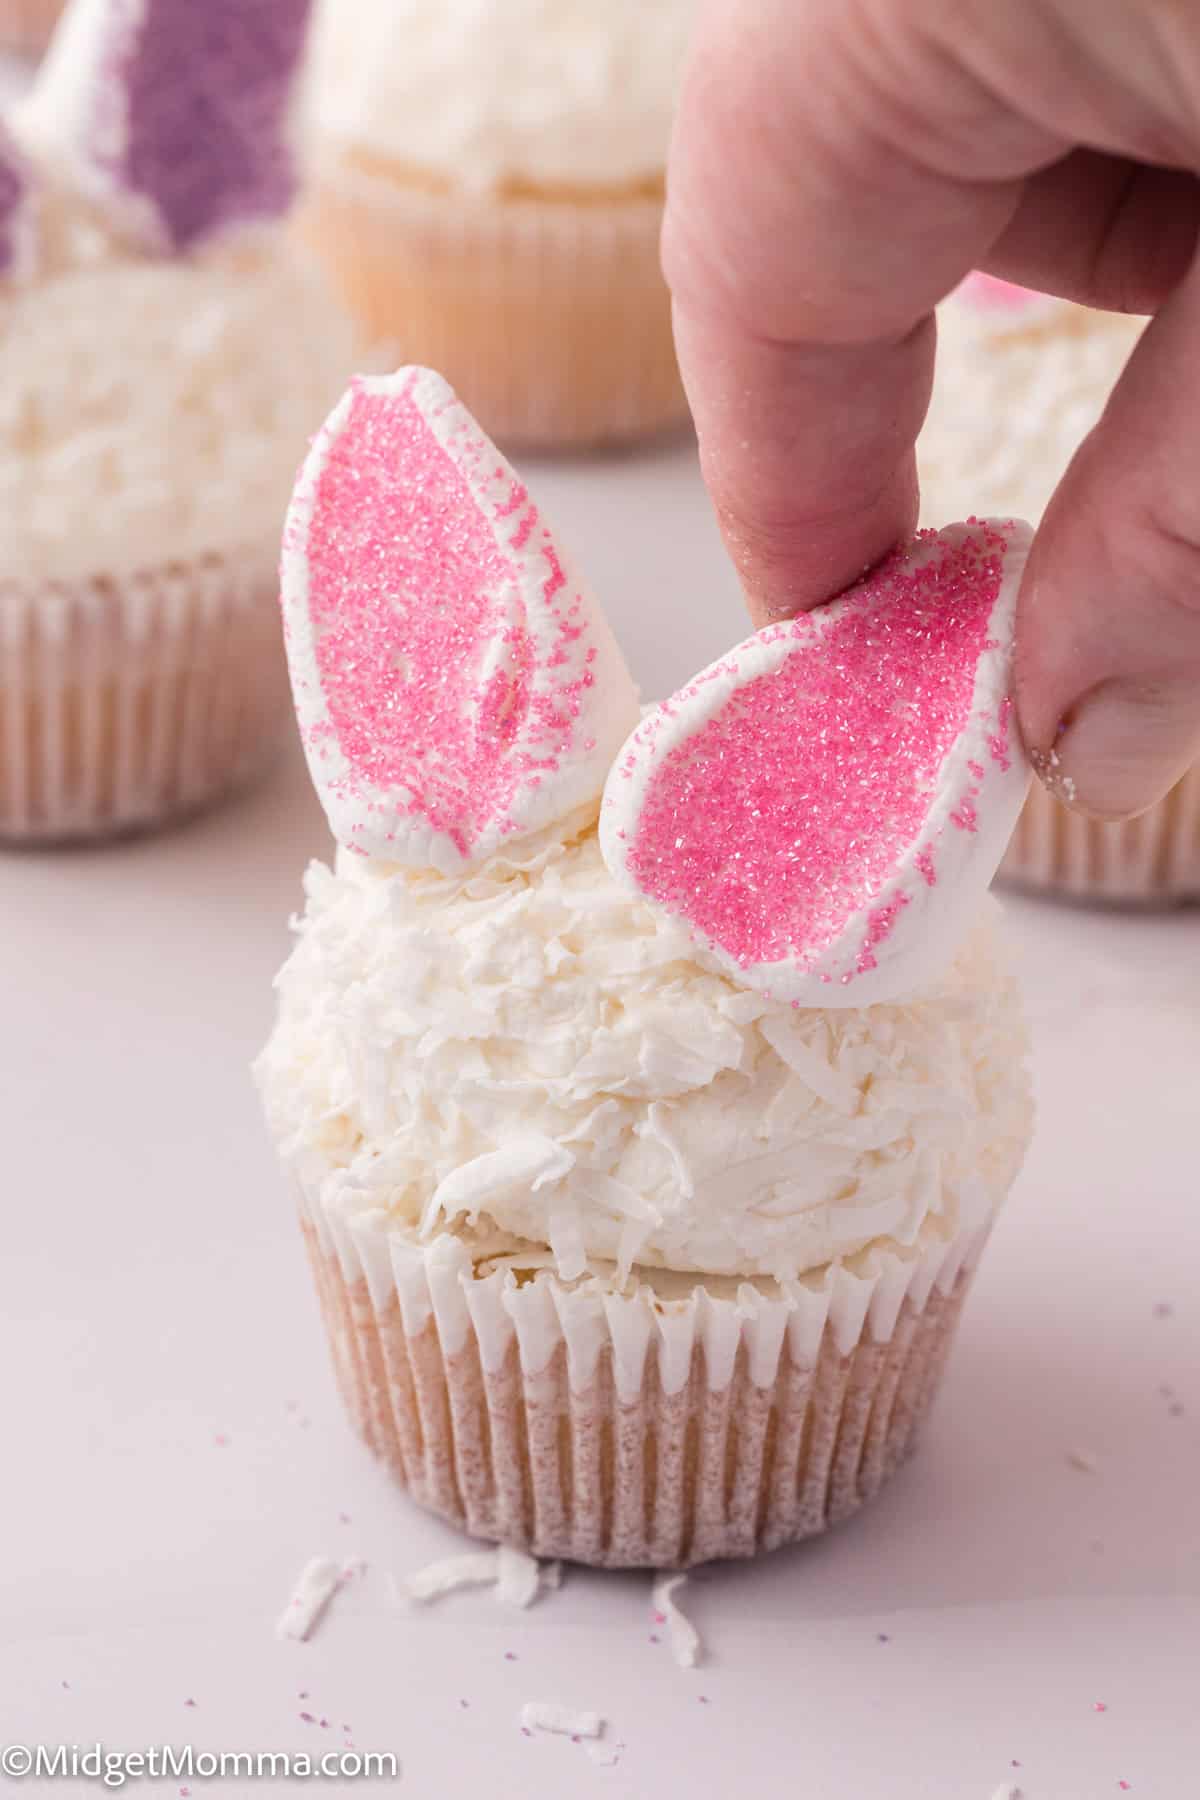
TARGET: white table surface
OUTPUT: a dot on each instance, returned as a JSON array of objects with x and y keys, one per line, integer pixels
[{"x": 176, "y": 1450}]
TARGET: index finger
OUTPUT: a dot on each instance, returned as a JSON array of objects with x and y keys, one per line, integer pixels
[{"x": 835, "y": 172}]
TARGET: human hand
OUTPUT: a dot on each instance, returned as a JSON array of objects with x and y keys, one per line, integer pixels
[{"x": 838, "y": 167}]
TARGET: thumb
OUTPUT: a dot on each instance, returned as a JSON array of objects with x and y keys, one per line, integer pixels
[{"x": 1108, "y": 660}]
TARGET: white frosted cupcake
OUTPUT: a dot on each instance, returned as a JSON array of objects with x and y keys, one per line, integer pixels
[
  {"x": 165, "y": 352},
  {"x": 640, "y": 1230},
  {"x": 488, "y": 192},
  {"x": 1021, "y": 380}
]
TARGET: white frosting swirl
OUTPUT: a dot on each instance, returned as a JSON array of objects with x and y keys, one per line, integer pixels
[
  {"x": 533, "y": 1047},
  {"x": 154, "y": 411},
  {"x": 570, "y": 92},
  {"x": 1019, "y": 384}
]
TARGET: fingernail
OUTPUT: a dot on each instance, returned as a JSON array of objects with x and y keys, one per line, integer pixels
[{"x": 1121, "y": 748}]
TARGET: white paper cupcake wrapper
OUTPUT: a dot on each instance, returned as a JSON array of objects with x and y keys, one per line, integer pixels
[
  {"x": 632, "y": 1429},
  {"x": 550, "y": 319},
  {"x": 1153, "y": 860},
  {"x": 125, "y": 703}
]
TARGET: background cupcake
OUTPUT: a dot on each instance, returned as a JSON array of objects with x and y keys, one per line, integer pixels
[
  {"x": 623, "y": 1256},
  {"x": 1021, "y": 380},
  {"x": 165, "y": 349},
  {"x": 488, "y": 193}
]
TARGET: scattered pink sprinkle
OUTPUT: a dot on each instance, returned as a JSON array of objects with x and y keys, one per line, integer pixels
[
  {"x": 65, "y": 1684},
  {"x": 1099, "y": 1706},
  {"x": 1125, "y": 1785},
  {"x": 324, "y": 1724},
  {"x": 189, "y": 1702},
  {"x": 883, "y": 1637},
  {"x": 184, "y": 1793},
  {"x": 654, "y": 1638},
  {"x": 221, "y": 1440},
  {"x": 660, "y": 1618},
  {"x": 510, "y": 1656},
  {"x": 303, "y": 1694},
  {"x": 525, "y": 1731},
  {"x": 343, "y": 1518},
  {"x": 309, "y": 1718},
  {"x": 703, "y": 1699},
  {"x": 1163, "y": 1309},
  {"x": 771, "y": 853},
  {"x": 464, "y": 1704}
]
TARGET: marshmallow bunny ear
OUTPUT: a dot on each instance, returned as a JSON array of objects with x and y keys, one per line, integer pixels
[
  {"x": 177, "y": 114},
  {"x": 826, "y": 805},
  {"x": 16, "y": 210},
  {"x": 455, "y": 684}
]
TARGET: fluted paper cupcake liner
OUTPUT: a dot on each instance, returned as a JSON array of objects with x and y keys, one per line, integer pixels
[
  {"x": 550, "y": 318},
  {"x": 1151, "y": 860},
  {"x": 127, "y": 703},
  {"x": 641, "y": 1428},
  {"x": 26, "y": 26}
]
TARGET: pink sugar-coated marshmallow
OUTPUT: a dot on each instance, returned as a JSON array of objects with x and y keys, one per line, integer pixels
[
  {"x": 457, "y": 688},
  {"x": 826, "y": 804}
]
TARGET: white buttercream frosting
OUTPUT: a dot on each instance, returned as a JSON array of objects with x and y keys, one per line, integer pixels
[
  {"x": 156, "y": 410},
  {"x": 1019, "y": 384},
  {"x": 535, "y": 1049},
  {"x": 570, "y": 92}
]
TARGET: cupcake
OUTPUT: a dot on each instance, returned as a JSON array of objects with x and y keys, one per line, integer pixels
[
  {"x": 488, "y": 191},
  {"x": 166, "y": 350},
  {"x": 1021, "y": 380},
  {"x": 649, "y": 1102},
  {"x": 649, "y": 1088},
  {"x": 26, "y": 25}
]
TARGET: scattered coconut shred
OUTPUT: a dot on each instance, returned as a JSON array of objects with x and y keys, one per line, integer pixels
[
  {"x": 685, "y": 1639},
  {"x": 318, "y": 1582},
  {"x": 518, "y": 1579},
  {"x": 544, "y": 1715}
]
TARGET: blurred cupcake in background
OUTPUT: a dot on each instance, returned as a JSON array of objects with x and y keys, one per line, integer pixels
[
  {"x": 26, "y": 25},
  {"x": 1021, "y": 380},
  {"x": 166, "y": 349},
  {"x": 488, "y": 191}
]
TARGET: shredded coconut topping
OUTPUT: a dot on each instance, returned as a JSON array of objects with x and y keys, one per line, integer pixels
[
  {"x": 532, "y": 1050},
  {"x": 175, "y": 431}
]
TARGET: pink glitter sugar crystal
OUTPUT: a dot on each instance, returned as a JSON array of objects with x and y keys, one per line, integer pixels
[
  {"x": 783, "y": 816},
  {"x": 454, "y": 657}
]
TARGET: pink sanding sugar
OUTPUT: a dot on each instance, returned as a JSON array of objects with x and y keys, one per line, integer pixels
[
  {"x": 437, "y": 692},
  {"x": 792, "y": 807}
]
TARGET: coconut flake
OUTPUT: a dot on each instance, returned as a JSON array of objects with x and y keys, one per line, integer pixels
[
  {"x": 318, "y": 1582},
  {"x": 685, "y": 1639},
  {"x": 518, "y": 1577},
  {"x": 544, "y": 1715},
  {"x": 479, "y": 1569}
]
